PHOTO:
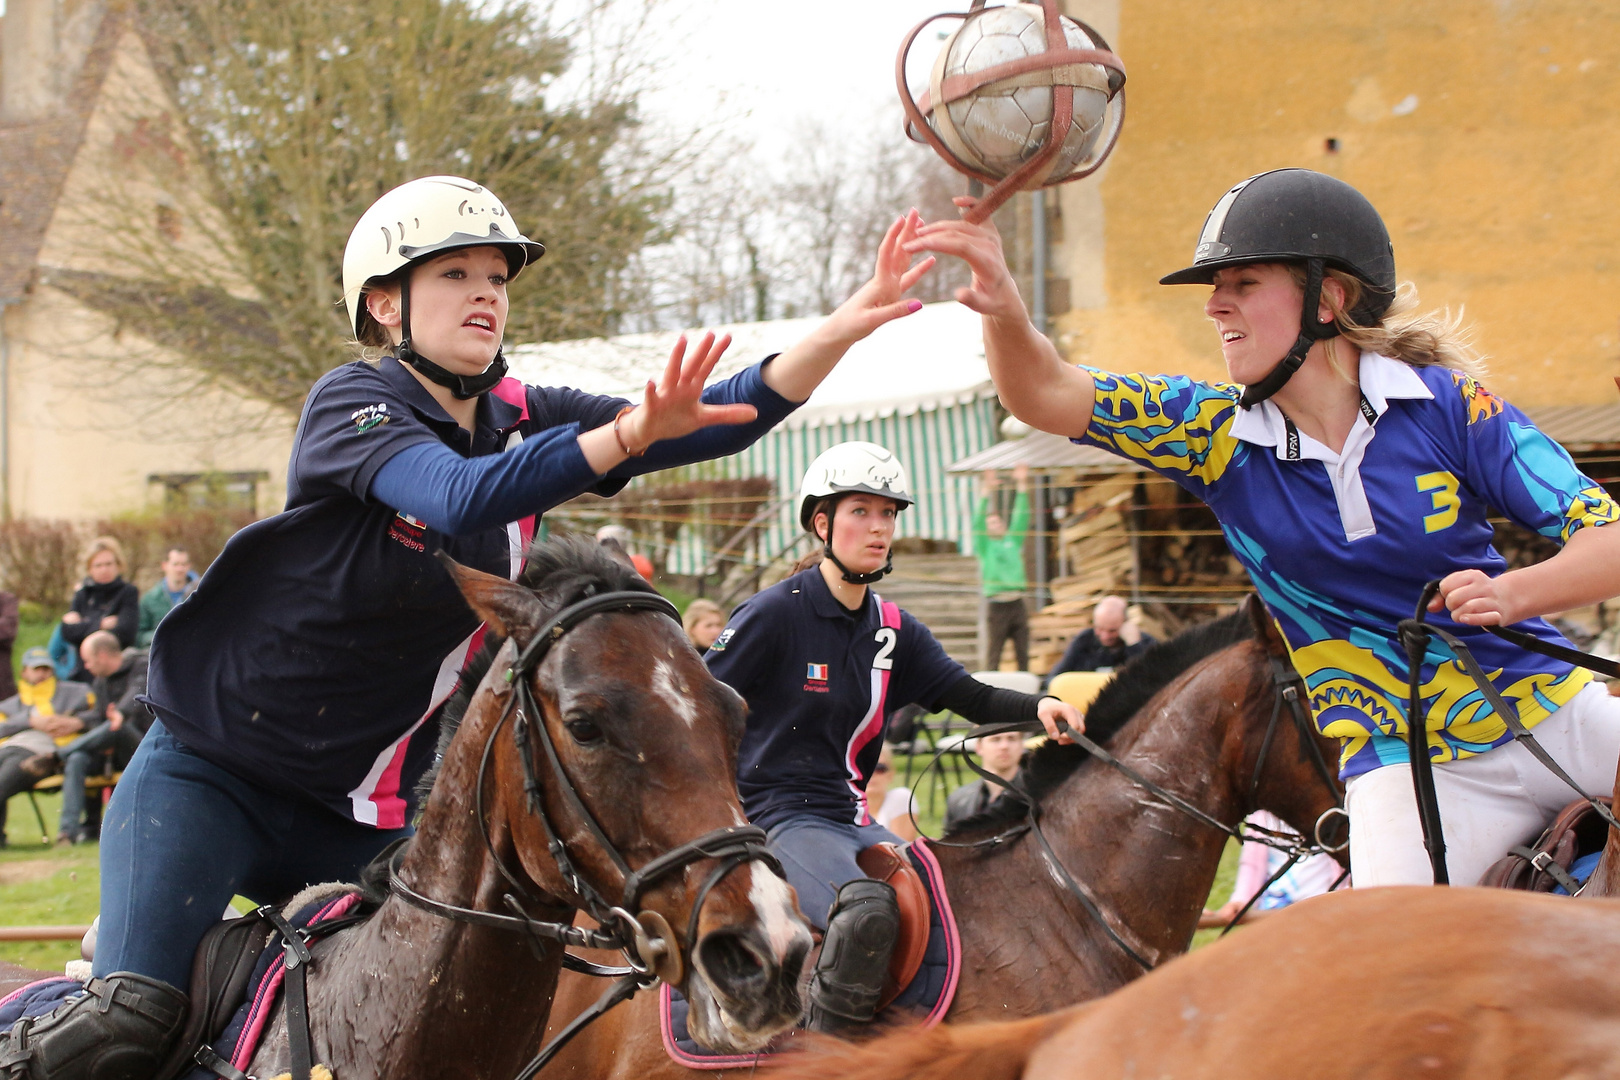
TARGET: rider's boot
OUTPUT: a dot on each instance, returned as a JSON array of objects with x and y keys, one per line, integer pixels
[
  {"x": 861, "y": 931},
  {"x": 121, "y": 1028}
]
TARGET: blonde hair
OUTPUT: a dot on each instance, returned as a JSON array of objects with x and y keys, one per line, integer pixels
[
  {"x": 1430, "y": 338},
  {"x": 100, "y": 544},
  {"x": 697, "y": 611}
]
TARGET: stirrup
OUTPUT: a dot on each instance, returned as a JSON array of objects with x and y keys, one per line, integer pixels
[
  {"x": 862, "y": 927},
  {"x": 119, "y": 1029}
]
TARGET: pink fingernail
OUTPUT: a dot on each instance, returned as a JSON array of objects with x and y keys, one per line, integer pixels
[{"x": 915, "y": 305}]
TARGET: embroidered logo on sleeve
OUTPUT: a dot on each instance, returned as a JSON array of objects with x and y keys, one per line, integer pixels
[
  {"x": 372, "y": 416},
  {"x": 723, "y": 640}
]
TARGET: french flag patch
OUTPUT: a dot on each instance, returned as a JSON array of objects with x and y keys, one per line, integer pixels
[{"x": 816, "y": 672}]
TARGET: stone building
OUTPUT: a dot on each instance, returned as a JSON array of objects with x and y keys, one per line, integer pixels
[{"x": 94, "y": 417}]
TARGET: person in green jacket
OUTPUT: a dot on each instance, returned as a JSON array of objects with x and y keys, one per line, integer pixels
[
  {"x": 177, "y": 582},
  {"x": 999, "y": 546}
]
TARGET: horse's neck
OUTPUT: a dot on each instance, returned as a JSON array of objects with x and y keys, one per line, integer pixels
[
  {"x": 417, "y": 994},
  {"x": 1149, "y": 864}
]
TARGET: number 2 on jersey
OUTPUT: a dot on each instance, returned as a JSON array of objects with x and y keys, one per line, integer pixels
[{"x": 886, "y": 638}]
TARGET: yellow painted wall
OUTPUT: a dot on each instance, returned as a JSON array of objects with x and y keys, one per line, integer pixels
[{"x": 1485, "y": 131}]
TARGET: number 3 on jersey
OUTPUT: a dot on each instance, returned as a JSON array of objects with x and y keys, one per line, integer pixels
[
  {"x": 1442, "y": 489},
  {"x": 885, "y": 637}
]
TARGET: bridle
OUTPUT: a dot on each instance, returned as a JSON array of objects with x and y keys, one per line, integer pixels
[
  {"x": 650, "y": 946},
  {"x": 1287, "y": 686}
]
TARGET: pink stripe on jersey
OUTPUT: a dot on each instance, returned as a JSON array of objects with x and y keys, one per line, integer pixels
[{"x": 871, "y": 725}]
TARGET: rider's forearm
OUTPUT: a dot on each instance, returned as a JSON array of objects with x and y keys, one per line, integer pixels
[
  {"x": 985, "y": 704},
  {"x": 1033, "y": 381},
  {"x": 1585, "y": 571},
  {"x": 797, "y": 372}
]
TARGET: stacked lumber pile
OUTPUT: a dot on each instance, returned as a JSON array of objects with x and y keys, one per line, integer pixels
[{"x": 1096, "y": 547}]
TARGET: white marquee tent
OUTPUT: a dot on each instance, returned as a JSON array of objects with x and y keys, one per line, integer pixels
[{"x": 918, "y": 386}]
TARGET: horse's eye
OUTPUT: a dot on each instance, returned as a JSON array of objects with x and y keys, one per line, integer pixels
[{"x": 583, "y": 731}]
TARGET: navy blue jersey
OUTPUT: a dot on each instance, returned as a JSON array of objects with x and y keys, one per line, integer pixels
[
  {"x": 820, "y": 681},
  {"x": 321, "y": 638}
]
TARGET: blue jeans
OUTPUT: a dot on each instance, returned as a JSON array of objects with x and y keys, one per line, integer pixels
[
  {"x": 182, "y": 836},
  {"x": 818, "y": 856},
  {"x": 81, "y": 757}
]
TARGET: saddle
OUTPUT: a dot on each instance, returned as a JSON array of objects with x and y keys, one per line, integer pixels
[
  {"x": 885, "y": 863},
  {"x": 221, "y": 972},
  {"x": 1576, "y": 834}
]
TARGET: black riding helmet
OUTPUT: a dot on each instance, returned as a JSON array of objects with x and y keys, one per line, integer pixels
[{"x": 1297, "y": 216}]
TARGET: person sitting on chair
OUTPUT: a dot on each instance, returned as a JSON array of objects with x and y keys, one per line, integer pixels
[
  {"x": 43, "y": 710},
  {"x": 1108, "y": 644},
  {"x": 1001, "y": 754},
  {"x": 114, "y": 728}
]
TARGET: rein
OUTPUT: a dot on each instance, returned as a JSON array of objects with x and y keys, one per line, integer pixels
[
  {"x": 646, "y": 938},
  {"x": 1286, "y": 682},
  {"x": 1414, "y": 634}
]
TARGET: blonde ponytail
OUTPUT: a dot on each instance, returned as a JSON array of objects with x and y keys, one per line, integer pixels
[{"x": 1422, "y": 339}]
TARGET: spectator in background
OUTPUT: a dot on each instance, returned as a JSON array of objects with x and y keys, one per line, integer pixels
[
  {"x": 8, "y": 638},
  {"x": 116, "y": 724},
  {"x": 1311, "y": 876},
  {"x": 999, "y": 546},
  {"x": 177, "y": 582},
  {"x": 889, "y": 803},
  {"x": 703, "y": 622},
  {"x": 1002, "y": 755},
  {"x": 43, "y": 710},
  {"x": 104, "y": 602},
  {"x": 1110, "y": 642}
]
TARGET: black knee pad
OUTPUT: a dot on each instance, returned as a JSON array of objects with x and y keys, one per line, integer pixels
[
  {"x": 119, "y": 1029},
  {"x": 861, "y": 930}
]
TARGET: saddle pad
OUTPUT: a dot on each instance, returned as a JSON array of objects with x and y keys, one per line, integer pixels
[
  {"x": 1581, "y": 869},
  {"x": 927, "y": 996},
  {"x": 37, "y": 999},
  {"x": 240, "y": 1039}
]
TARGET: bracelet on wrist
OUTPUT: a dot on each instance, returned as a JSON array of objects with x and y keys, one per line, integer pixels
[{"x": 619, "y": 435}]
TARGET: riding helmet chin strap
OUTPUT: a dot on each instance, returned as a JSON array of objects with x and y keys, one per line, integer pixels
[
  {"x": 849, "y": 576},
  {"x": 1310, "y": 332},
  {"x": 461, "y": 387}
]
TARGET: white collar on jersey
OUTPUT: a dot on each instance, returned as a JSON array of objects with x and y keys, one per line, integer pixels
[{"x": 1382, "y": 380}]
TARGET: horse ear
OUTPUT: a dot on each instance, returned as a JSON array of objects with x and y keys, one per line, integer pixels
[
  {"x": 1265, "y": 627},
  {"x": 510, "y": 609}
]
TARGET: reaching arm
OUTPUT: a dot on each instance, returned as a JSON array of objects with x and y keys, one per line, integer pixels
[
  {"x": 985, "y": 704},
  {"x": 1034, "y": 382}
]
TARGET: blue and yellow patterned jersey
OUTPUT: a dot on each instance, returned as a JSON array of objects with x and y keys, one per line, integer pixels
[{"x": 1340, "y": 545}]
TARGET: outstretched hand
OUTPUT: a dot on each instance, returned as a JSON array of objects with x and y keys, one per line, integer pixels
[
  {"x": 673, "y": 405},
  {"x": 880, "y": 300},
  {"x": 992, "y": 291}
]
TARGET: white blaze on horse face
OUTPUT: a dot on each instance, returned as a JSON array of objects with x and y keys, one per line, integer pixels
[
  {"x": 770, "y": 897},
  {"x": 666, "y": 686}
]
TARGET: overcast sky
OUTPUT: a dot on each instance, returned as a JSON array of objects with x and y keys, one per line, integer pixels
[{"x": 772, "y": 63}]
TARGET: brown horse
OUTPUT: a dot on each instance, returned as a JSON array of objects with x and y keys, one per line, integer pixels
[
  {"x": 648, "y": 739},
  {"x": 1192, "y": 715},
  {"x": 1448, "y": 984}
]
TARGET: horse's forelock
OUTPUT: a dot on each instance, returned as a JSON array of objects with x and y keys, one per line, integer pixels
[{"x": 561, "y": 571}]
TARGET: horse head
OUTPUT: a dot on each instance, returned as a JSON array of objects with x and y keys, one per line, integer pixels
[
  {"x": 616, "y": 790},
  {"x": 1290, "y": 767}
]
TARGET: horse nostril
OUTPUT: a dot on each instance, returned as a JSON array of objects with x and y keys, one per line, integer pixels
[{"x": 731, "y": 964}]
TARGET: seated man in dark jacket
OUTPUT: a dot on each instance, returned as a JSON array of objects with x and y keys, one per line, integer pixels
[
  {"x": 43, "y": 709},
  {"x": 1107, "y": 645},
  {"x": 1002, "y": 755},
  {"x": 117, "y": 724}
]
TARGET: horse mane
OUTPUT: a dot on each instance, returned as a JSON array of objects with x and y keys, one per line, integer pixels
[
  {"x": 561, "y": 571},
  {"x": 1120, "y": 699}
]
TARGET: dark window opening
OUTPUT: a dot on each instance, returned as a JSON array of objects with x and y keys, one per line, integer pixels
[{"x": 1331, "y": 146}]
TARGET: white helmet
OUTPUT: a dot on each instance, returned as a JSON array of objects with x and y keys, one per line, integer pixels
[
  {"x": 850, "y": 467},
  {"x": 422, "y": 217}
]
